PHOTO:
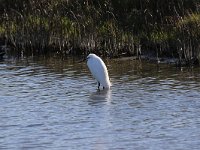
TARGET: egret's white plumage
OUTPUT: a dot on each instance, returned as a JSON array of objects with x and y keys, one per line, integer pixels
[{"x": 99, "y": 70}]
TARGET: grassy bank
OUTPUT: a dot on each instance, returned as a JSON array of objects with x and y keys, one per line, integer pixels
[{"x": 166, "y": 28}]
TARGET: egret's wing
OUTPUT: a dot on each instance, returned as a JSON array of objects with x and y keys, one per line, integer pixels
[{"x": 96, "y": 69}]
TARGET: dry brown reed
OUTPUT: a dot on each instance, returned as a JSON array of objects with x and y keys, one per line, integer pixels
[{"x": 108, "y": 27}]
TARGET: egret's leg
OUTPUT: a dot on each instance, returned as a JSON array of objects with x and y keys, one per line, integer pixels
[{"x": 98, "y": 85}]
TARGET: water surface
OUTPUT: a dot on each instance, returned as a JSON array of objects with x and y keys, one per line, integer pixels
[{"x": 51, "y": 103}]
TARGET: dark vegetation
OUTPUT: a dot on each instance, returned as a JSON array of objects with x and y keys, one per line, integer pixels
[{"x": 160, "y": 28}]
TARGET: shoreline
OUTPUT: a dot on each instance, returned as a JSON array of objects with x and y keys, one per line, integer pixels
[{"x": 6, "y": 50}]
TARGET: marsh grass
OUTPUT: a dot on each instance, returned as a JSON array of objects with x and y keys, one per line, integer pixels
[{"x": 107, "y": 27}]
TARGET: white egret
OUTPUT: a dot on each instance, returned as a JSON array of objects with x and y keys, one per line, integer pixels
[{"x": 99, "y": 70}]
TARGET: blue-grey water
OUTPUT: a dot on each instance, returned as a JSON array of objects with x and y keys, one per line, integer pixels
[{"x": 52, "y": 103}]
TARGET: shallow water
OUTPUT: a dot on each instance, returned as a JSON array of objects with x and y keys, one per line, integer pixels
[{"x": 49, "y": 103}]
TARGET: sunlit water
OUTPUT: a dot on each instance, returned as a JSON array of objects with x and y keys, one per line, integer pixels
[{"x": 54, "y": 104}]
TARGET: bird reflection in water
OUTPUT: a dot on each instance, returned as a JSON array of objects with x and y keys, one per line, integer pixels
[{"x": 100, "y": 96}]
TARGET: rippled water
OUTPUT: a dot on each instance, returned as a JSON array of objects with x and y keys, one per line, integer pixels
[{"x": 49, "y": 103}]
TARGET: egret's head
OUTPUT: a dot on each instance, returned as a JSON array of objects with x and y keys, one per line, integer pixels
[{"x": 91, "y": 56}]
